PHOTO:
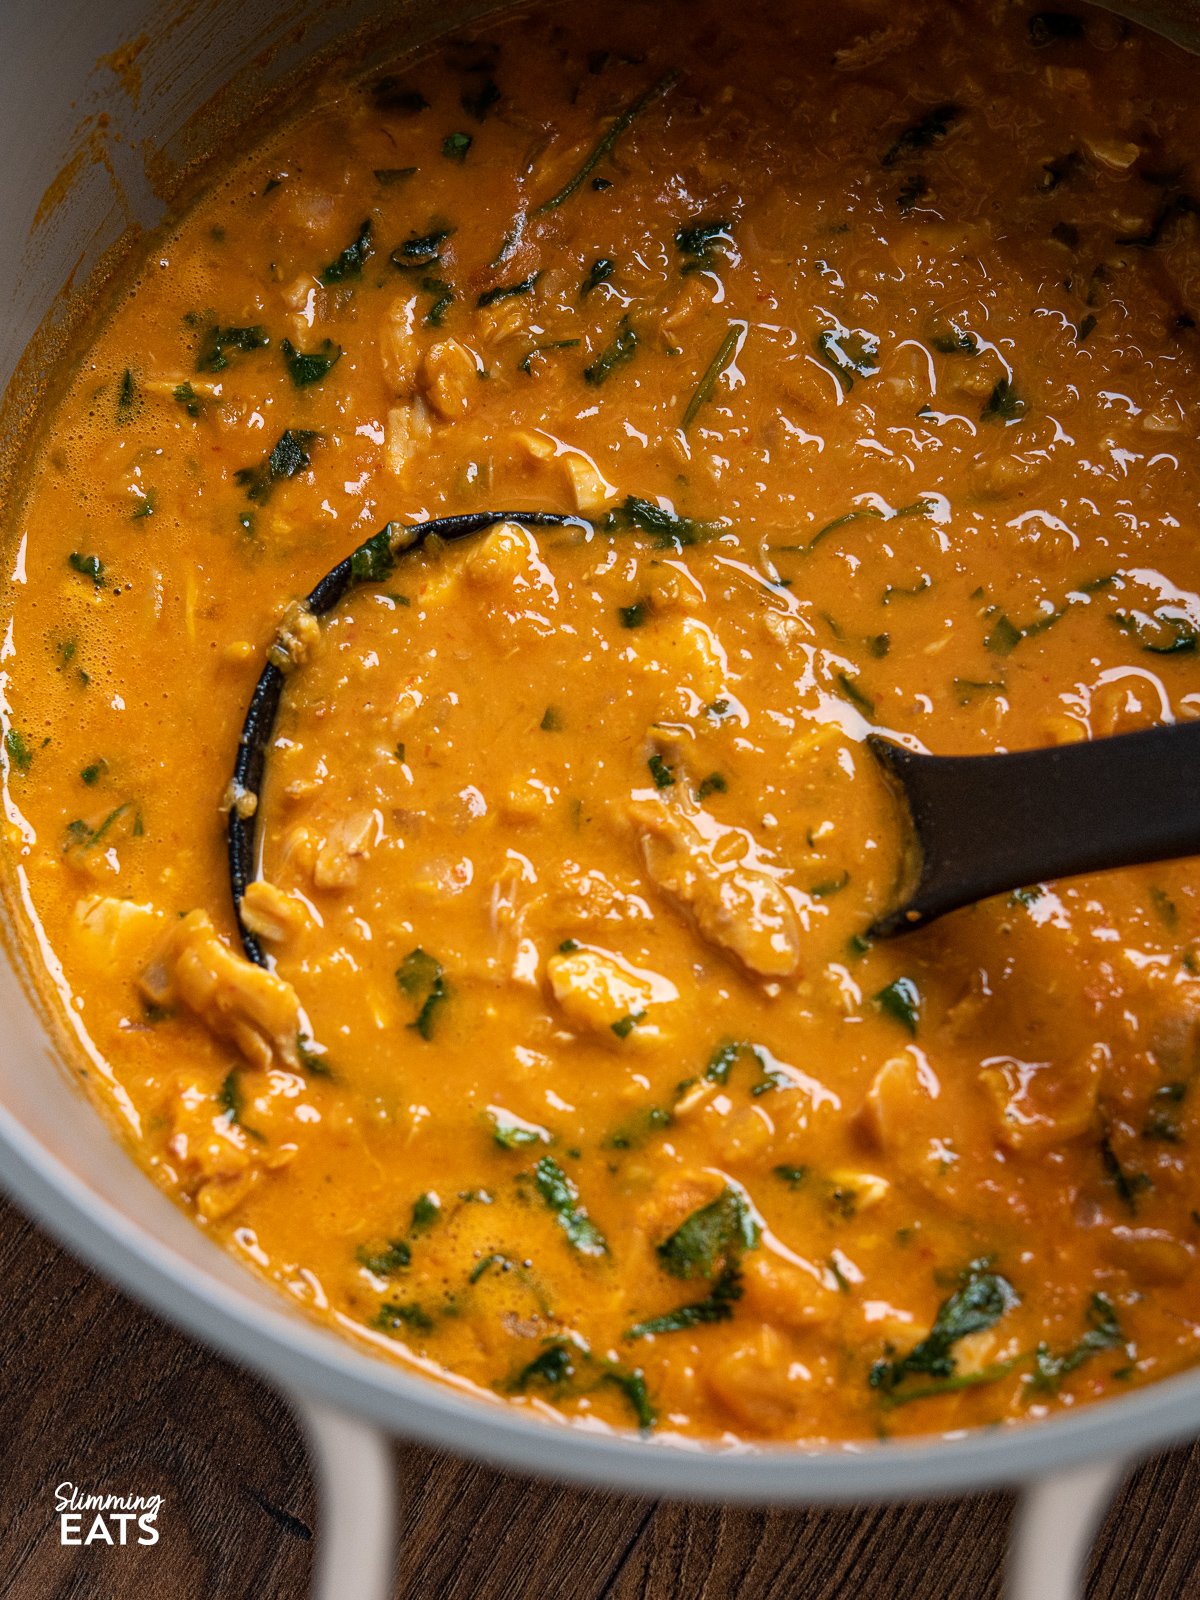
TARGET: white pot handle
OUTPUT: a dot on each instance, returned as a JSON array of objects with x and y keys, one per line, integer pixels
[
  {"x": 1056, "y": 1520},
  {"x": 356, "y": 1504}
]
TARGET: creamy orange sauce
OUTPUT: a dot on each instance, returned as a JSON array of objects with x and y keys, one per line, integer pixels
[{"x": 862, "y": 347}]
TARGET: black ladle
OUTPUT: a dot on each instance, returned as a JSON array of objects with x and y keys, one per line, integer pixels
[
  {"x": 371, "y": 562},
  {"x": 984, "y": 824},
  {"x": 979, "y": 824}
]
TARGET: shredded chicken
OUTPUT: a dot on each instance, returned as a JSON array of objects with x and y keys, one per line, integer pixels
[
  {"x": 741, "y": 908},
  {"x": 257, "y": 1011}
]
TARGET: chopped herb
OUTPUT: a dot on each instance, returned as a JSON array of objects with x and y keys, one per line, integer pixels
[
  {"x": 420, "y": 249},
  {"x": 701, "y": 241},
  {"x": 127, "y": 397},
  {"x": 609, "y": 138},
  {"x": 624, "y": 1026},
  {"x": 350, "y": 262},
  {"x": 967, "y": 690},
  {"x": 704, "y": 389},
  {"x": 849, "y": 353},
  {"x": 87, "y": 567},
  {"x": 81, "y": 836},
  {"x": 478, "y": 102},
  {"x": 1166, "y": 908},
  {"x": 526, "y": 363},
  {"x": 614, "y": 355},
  {"x": 794, "y": 1177},
  {"x": 562, "y": 1197},
  {"x": 1004, "y": 403},
  {"x": 716, "y": 1307},
  {"x": 1084, "y": 328},
  {"x": 20, "y": 756},
  {"x": 979, "y": 1302},
  {"x": 554, "y": 1366},
  {"x": 1027, "y": 897},
  {"x": 1054, "y": 27},
  {"x": 849, "y": 687},
  {"x": 568, "y": 947},
  {"x": 394, "y": 1257},
  {"x": 1103, "y": 1333},
  {"x": 953, "y": 1385},
  {"x": 715, "y": 783},
  {"x": 307, "y": 368},
  {"x": 712, "y": 1240},
  {"x": 955, "y": 343},
  {"x": 456, "y": 145},
  {"x": 1161, "y": 634},
  {"x": 506, "y": 291},
  {"x": 649, "y": 1122},
  {"x": 312, "y": 1057},
  {"x": 920, "y": 135},
  {"x": 421, "y": 979},
  {"x": 212, "y": 357},
  {"x": 660, "y": 772},
  {"x": 94, "y": 772},
  {"x": 443, "y": 299},
  {"x": 633, "y": 1386},
  {"x": 1059, "y": 171},
  {"x": 668, "y": 530},
  {"x": 375, "y": 558},
  {"x": 394, "y": 1316},
  {"x": 186, "y": 396},
  {"x": 831, "y": 886},
  {"x": 1163, "y": 1116},
  {"x": 512, "y": 1133},
  {"x": 552, "y": 721},
  {"x": 287, "y": 458},
  {"x": 901, "y": 1000},
  {"x": 1129, "y": 1185},
  {"x": 392, "y": 94},
  {"x": 634, "y": 616},
  {"x": 387, "y": 176},
  {"x": 600, "y": 271},
  {"x": 145, "y": 507}
]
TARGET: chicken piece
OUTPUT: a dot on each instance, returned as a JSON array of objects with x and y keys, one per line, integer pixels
[
  {"x": 757, "y": 1383},
  {"x": 1150, "y": 1255},
  {"x": 781, "y": 1293},
  {"x": 212, "y": 1154},
  {"x": 505, "y": 557},
  {"x": 399, "y": 349},
  {"x": 296, "y": 637},
  {"x": 742, "y": 909},
  {"x": 406, "y": 429},
  {"x": 1038, "y": 1106},
  {"x": 255, "y": 1009},
  {"x": 119, "y": 934},
  {"x": 449, "y": 376},
  {"x": 338, "y": 855},
  {"x": 271, "y": 914},
  {"x": 686, "y": 652},
  {"x": 603, "y": 994}
]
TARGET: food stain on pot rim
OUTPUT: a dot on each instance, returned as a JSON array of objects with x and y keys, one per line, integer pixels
[{"x": 570, "y": 1071}]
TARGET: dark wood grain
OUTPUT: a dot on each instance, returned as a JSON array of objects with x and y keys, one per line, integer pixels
[{"x": 96, "y": 1391}]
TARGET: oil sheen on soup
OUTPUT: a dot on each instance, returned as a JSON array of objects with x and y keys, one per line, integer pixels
[{"x": 860, "y": 343}]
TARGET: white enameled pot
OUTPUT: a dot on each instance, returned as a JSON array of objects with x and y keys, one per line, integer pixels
[{"x": 57, "y": 1158}]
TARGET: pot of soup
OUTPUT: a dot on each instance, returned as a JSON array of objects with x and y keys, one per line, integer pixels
[{"x": 538, "y": 1089}]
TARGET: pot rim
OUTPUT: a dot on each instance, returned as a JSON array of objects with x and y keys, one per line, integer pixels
[{"x": 289, "y": 1351}]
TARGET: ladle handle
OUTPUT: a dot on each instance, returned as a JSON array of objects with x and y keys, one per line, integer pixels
[{"x": 985, "y": 824}]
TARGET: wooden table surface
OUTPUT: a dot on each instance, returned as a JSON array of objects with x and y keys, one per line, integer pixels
[{"x": 98, "y": 1392}]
